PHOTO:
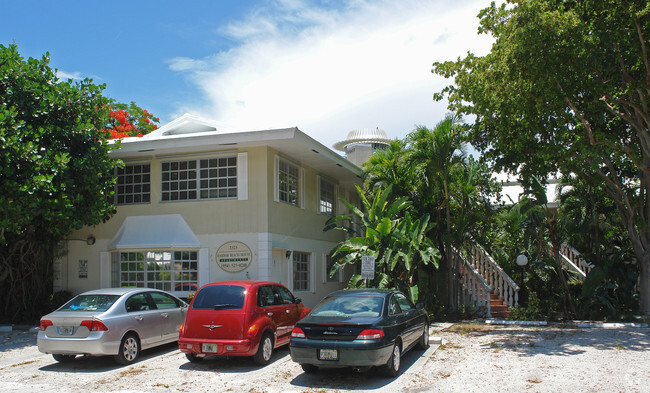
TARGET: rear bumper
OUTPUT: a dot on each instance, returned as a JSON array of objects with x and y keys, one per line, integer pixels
[
  {"x": 95, "y": 344},
  {"x": 194, "y": 346},
  {"x": 351, "y": 353}
]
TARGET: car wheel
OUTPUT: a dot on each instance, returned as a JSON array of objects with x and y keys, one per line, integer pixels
[
  {"x": 63, "y": 358},
  {"x": 129, "y": 349},
  {"x": 193, "y": 358},
  {"x": 264, "y": 351},
  {"x": 423, "y": 342},
  {"x": 309, "y": 368},
  {"x": 391, "y": 369}
]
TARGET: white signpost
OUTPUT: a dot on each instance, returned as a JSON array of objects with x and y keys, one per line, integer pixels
[{"x": 368, "y": 267}]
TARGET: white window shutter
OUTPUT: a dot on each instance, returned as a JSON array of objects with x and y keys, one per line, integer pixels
[{"x": 242, "y": 176}]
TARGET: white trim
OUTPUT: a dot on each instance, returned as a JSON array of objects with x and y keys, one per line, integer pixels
[
  {"x": 105, "y": 269},
  {"x": 276, "y": 179},
  {"x": 264, "y": 256},
  {"x": 318, "y": 179},
  {"x": 242, "y": 176},
  {"x": 301, "y": 187},
  {"x": 204, "y": 266}
]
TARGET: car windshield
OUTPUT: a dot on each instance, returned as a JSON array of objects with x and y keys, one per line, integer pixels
[
  {"x": 349, "y": 306},
  {"x": 220, "y": 297},
  {"x": 90, "y": 303}
]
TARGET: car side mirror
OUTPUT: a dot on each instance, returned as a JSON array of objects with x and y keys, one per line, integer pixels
[{"x": 297, "y": 300}]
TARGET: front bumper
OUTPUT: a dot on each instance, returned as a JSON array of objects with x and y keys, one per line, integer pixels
[{"x": 350, "y": 353}]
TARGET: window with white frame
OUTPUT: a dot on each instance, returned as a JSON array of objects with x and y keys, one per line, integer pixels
[
  {"x": 133, "y": 184},
  {"x": 212, "y": 178},
  {"x": 301, "y": 271},
  {"x": 288, "y": 175},
  {"x": 166, "y": 270},
  {"x": 326, "y": 200}
]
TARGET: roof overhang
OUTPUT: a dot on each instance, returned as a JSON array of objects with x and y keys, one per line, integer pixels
[{"x": 291, "y": 142}]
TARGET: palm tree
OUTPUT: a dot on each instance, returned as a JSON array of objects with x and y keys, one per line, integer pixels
[{"x": 437, "y": 157}]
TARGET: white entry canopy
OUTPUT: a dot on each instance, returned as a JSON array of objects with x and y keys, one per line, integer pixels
[{"x": 160, "y": 231}]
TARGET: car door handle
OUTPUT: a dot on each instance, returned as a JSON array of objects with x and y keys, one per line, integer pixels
[
  {"x": 270, "y": 314},
  {"x": 288, "y": 311},
  {"x": 139, "y": 318},
  {"x": 164, "y": 314}
]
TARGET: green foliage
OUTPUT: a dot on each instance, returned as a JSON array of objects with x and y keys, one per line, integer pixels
[
  {"x": 533, "y": 311},
  {"x": 565, "y": 88},
  {"x": 55, "y": 174},
  {"x": 388, "y": 233}
]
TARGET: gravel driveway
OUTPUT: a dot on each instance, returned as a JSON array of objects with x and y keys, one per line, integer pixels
[{"x": 472, "y": 358}]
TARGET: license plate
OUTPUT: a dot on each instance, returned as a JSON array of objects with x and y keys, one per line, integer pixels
[
  {"x": 209, "y": 348},
  {"x": 66, "y": 330},
  {"x": 328, "y": 354}
]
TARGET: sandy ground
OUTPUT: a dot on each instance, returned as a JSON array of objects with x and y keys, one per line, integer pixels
[{"x": 484, "y": 359}]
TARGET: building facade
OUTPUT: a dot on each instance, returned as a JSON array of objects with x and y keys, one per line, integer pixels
[{"x": 197, "y": 204}]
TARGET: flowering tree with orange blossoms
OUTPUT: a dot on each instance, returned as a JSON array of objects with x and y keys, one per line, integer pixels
[{"x": 129, "y": 120}]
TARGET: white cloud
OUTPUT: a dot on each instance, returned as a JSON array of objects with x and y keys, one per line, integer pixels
[
  {"x": 67, "y": 75},
  {"x": 329, "y": 71}
]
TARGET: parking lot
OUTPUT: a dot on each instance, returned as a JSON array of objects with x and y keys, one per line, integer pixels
[
  {"x": 480, "y": 358},
  {"x": 165, "y": 368}
]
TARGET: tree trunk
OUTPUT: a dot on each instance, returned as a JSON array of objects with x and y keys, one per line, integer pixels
[{"x": 569, "y": 307}]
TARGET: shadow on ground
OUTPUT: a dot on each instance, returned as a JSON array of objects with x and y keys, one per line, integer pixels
[
  {"x": 99, "y": 364},
  {"x": 565, "y": 341},
  {"x": 235, "y": 364},
  {"x": 347, "y": 379}
]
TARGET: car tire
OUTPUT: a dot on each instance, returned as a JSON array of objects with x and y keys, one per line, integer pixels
[
  {"x": 391, "y": 369},
  {"x": 63, "y": 358},
  {"x": 309, "y": 368},
  {"x": 423, "y": 342},
  {"x": 264, "y": 350},
  {"x": 193, "y": 358},
  {"x": 129, "y": 349}
]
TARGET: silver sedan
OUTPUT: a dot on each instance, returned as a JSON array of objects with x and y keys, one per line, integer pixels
[{"x": 112, "y": 321}]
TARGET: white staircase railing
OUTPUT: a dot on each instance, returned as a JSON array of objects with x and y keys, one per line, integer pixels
[
  {"x": 474, "y": 290},
  {"x": 504, "y": 287},
  {"x": 571, "y": 254},
  {"x": 572, "y": 260}
]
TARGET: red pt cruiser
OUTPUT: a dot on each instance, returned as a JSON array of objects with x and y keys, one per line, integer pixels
[{"x": 239, "y": 318}]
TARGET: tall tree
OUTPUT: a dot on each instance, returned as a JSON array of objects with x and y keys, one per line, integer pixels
[
  {"x": 566, "y": 87},
  {"x": 55, "y": 175},
  {"x": 437, "y": 157}
]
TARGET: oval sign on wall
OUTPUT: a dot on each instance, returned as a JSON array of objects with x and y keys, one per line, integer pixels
[{"x": 234, "y": 257}]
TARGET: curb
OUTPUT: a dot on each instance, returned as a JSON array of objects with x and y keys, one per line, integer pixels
[{"x": 606, "y": 325}]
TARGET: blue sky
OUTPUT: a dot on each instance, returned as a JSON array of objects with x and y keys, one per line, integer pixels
[{"x": 327, "y": 67}]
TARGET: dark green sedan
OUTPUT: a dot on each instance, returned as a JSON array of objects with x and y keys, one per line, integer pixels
[{"x": 360, "y": 328}]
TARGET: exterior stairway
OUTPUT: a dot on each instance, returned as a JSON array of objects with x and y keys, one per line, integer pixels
[
  {"x": 498, "y": 307},
  {"x": 485, "y": 287}
]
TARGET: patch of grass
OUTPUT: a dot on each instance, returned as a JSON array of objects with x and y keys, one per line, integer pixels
[
  {"x": 534, "y": 380},
  {"x": 466, "y": 328},
  {"x": 161, "y": 385},
  {"x": 23, "y": 363},
  {"x": 619, "y": 347},
  {"x": 450, "y": 346},
  {"x": 133, "y": 371}
]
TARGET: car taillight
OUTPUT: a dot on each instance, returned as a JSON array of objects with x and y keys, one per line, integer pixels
[
  {"x": 180, "y": 330},
  {"x": 370, "y": 334},
  {"x": 252, "y": 331},
  {"x": 298, "y": 333},
  {"x": 94, "y": 326},
  {"x": 45, "y": 323}
]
